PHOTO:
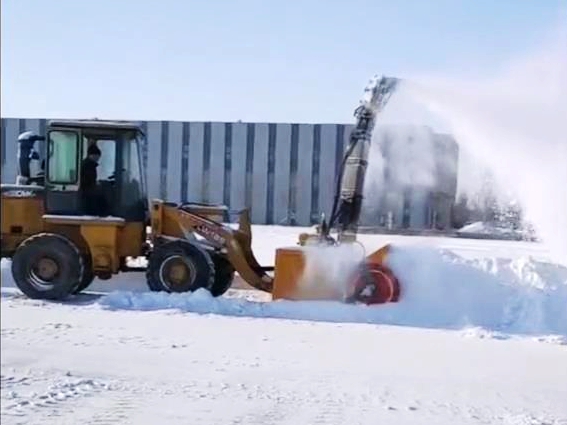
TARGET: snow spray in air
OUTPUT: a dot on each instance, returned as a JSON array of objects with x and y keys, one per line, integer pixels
[
  {"x": 516, "y": 124},
  {"x": 407, "y": 154},
  {"x": 328, "y": 269}
]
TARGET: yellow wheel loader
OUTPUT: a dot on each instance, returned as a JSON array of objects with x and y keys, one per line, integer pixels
[{"x": 57, "y": 248}]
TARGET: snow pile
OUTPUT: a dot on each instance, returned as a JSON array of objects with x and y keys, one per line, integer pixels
[
  {"x": 440, "y": 290},
  {"x": 480, "y": 227},
  {"x": 513, "y": 296},
  {"x": 476, "y": 227}
]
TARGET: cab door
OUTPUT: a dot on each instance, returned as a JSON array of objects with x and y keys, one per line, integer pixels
[{"x": 62, "y": 172}]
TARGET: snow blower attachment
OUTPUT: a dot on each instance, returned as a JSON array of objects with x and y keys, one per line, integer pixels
[{"x": 323, "y": 267}]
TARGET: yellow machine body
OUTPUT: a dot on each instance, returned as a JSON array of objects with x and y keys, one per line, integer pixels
[
  {"x": 21, "y": 215},
  {"x": 106, "y": 240}
]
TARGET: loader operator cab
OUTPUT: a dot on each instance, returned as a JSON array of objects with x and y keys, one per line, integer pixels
[{"x": 119, "y": 187}]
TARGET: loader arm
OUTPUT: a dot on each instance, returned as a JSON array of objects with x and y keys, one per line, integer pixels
[{"x": 173, "y": 221}]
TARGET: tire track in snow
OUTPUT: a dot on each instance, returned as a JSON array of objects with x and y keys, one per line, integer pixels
[
  {"x": 52, "y": 402},
  {"x": 119, "y": 411}
]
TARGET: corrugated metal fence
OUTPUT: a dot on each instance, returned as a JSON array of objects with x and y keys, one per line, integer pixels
[{"x": 284, "y": 172}]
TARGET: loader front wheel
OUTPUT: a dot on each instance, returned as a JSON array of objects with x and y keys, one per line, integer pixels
[
  {"x": 47, "y": 266},
  {"x": 224, "y": 274},
  {"x": 179, "y": 266}
]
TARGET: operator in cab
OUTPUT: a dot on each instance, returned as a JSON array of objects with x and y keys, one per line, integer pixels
[{"x": 92, "y": 200}]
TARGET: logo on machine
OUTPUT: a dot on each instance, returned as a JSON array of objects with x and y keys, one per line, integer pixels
[
  {"x": 210, "y": 234},
  {"x": 19, "y": 194}
]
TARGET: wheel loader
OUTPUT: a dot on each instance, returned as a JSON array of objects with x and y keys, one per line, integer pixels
[{"x": 57, "y": 250}]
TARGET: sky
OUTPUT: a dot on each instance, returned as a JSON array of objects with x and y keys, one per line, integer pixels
[{"x": 250, "y": 60}]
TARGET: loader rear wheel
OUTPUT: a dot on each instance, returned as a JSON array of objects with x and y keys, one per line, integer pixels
[
  {"x": 88, "y": 275},
  {"x": 224, "y": 275},
  {"x": 179, "y": 266},
  {"x": 47, "y": 266}
]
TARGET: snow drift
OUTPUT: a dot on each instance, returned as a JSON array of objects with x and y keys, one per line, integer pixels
[
  {"x": 440, "y": 290},
  {"x": 490, "y": 229}
]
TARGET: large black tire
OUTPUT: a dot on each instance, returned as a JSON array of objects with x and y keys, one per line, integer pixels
[
  {"x": 194, "y": 264},
  {"x": 47, "y": 266},
  {"x": 88, "y": 275},
  {"x": 224, "y": 275}
]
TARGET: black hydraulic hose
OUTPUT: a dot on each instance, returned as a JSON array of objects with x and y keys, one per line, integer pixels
[{"x": 334, "y": 212}]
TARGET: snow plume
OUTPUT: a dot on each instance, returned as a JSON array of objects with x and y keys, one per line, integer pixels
[
  {"x": 516, "y": 124},
  {"x": 410, "y": 150},
  {"x": 404, "y": 157},
  {"x": 328, "y": 269},
  {"x": 374, "y": 180},
  {"x": 408, "y": 154}
]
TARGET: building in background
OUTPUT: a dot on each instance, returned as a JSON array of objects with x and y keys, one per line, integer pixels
[{"x": 286, "y": 173}]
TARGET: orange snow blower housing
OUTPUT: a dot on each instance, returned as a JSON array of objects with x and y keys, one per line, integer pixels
[
  {"x": 371, "y": 283},
  {"x": 57, "y": 247}
]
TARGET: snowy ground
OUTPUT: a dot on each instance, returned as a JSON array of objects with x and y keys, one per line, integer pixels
[{"x": 479, "y": 337}]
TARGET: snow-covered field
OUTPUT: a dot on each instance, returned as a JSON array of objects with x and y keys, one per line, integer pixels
[{"x": 480, "y": 336}]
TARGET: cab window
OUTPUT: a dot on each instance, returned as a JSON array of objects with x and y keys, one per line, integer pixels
[
  {"x": 63, "y": 147},
  {"x": 132, "y": 185}
]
